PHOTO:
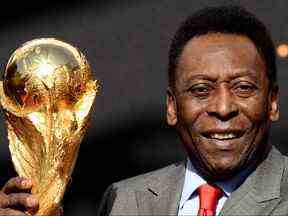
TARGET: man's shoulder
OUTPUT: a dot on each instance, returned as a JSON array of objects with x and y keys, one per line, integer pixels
[
  {"x": 284, "y": 181},
  {"x": 139, "y": 182},
  {"x": 284, "y": 161},
  {"x": 283, "y": 204},
  {"x": 121, "y": 197},
  {"x": 285, "y": 171}
]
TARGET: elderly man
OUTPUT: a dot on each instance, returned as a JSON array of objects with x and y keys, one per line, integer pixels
[{"x": 222, "y": 98}]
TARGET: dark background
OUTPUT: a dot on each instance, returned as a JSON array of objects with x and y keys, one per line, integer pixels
[{"x": 126, "y": 43}]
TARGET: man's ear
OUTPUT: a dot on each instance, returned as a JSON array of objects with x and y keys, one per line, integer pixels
[
  {"x": 171, "y": 107},
  {"x": 274, "y": 104}
]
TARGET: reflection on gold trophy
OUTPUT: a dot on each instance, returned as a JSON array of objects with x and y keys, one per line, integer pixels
[{"x": 47, "y": 94}]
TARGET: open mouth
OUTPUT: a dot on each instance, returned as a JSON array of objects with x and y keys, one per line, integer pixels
[{"x": 223, "y": 135}]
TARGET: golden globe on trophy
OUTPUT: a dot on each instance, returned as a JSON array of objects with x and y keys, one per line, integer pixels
[{"x": 47, "y": 94}]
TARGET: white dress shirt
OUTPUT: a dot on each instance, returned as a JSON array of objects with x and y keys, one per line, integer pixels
[{"x": 189, "y": 202}]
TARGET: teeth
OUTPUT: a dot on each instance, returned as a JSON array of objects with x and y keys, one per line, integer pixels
[{"x": 223, "y": 136}]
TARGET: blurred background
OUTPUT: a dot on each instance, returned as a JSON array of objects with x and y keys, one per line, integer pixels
[{"x": 126, "y": 43}]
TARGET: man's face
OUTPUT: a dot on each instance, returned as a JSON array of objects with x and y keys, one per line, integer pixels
[{"x": 221, "y": 104}]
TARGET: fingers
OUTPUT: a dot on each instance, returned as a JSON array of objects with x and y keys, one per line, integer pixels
[
  {"x": 4, "y": 207},
  {"x": 11, "y": 212},
  {"x": 17, "y": 184},
  {"x": 4, "y": 201},
  {"x": 23, "y": 201},
  {"x": 15, "y": 197},
  {"x": 19, "y": 201}
]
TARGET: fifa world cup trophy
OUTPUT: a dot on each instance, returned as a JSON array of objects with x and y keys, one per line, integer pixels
[{"x": 47, "y": 94}]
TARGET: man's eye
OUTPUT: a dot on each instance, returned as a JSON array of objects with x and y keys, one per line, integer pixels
[
  {"x": 200, "y": 90},
  {"x": 244, "y": 90}
]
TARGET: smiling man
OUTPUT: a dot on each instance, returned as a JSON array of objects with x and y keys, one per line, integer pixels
[
  {"x": 222, "y": 104},
  {"x": 222, "y": 98}
]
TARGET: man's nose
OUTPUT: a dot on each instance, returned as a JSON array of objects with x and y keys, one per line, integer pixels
[{"x": 222, "y": 105}]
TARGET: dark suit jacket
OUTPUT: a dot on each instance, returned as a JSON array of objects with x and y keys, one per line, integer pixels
[{"x": 264, "y": 192}]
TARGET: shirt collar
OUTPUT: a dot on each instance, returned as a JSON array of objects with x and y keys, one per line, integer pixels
[{"x": 193, "y": 180}]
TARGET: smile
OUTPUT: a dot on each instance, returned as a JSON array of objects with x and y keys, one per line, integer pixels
[{"x": 223, "y": 136}]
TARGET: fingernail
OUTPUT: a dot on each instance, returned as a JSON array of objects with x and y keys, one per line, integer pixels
[
  {"x": 32, "y": 201},
  {"x": 19, "y": 180},
  {"x": 26, "y": 183}
]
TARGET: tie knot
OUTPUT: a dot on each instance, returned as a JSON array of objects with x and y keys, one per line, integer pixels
[{"x": 209, "y": 196}]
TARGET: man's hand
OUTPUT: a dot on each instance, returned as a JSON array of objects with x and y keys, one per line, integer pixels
[{"x": 16, "y": 198}]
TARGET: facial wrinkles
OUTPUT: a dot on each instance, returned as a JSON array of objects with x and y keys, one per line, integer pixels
[
  {"x": 192, "y": 61},
  {"x": 219, "y": 64},
  {"x": 220, "y": 69},
  {"x": 219, "y": 72},
  {"x": 223, "y": 66},
  {"x": 252, "y": 149}
]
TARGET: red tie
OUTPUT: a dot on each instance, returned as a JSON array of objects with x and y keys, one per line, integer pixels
[{"x": 208, "y": 196}]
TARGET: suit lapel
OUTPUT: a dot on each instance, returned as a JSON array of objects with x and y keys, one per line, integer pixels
[
  {"x": 260, "y": 192},
  {"x": 163, "y": 193}
]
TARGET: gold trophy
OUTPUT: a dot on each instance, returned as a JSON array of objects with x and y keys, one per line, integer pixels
[{"x": 47, "y": 93}]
